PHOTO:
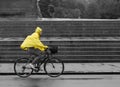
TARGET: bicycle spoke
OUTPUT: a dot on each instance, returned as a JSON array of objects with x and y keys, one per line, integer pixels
[
  {"x": 54, "y": 67},
  {"x": 21, "y": 67}
]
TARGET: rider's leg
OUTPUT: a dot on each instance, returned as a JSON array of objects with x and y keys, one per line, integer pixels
[
  {"x": 37, "y": 53},
  {"x": 31, "y": 52},
  {"x": 36, "y": 59}
]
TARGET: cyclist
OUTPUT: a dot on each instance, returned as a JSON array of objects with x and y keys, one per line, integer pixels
[{"x": 34, "y": 46}]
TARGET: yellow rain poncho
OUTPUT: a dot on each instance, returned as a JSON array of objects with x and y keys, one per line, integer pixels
[{"x": 33, "y": 40}]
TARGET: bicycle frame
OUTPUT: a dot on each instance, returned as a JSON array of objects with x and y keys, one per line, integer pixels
[{"x": 47, "y": 57}]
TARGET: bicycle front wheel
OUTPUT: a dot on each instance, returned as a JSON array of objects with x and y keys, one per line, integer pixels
[
  {"x": 21, "y": 67},
  {"x": 54, "y": 67}
]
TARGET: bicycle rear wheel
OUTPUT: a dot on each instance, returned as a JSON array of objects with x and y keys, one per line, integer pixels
[
  {"x": 21, "y": 67},
  {"x": 54, "y": 67}
]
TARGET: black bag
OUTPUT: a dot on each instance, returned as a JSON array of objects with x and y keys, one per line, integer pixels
[{"x": 53, "y": 49}]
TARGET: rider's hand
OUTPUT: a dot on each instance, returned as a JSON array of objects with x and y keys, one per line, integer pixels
[
  {"x": 48, "y": 50},
  {"x": 46, "y": 47}
]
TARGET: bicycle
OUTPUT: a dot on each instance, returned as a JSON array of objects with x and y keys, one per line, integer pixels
[{"x": 53, "y": 66}]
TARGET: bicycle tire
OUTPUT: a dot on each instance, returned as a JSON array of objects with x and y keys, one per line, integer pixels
[
  {"x": 56, "y": 64},
  {"x": 22, "y": 63}
]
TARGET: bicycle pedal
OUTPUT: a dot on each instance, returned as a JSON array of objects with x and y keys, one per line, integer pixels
[
  {"x": 36, "y": 67},
  {"x": 36, "y": 70}
]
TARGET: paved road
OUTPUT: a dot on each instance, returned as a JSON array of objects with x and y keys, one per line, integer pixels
[
  {"x": 73, "y": 67},
  {"x": 62, "y": 81}
]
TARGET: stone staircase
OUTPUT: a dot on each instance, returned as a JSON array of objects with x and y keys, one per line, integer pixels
[{"x": 78, "y": 40}]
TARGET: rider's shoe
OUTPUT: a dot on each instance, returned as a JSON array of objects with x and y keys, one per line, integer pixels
[
  {"x": 32, "y": 66},
  {"x": 35, "y": 68}
]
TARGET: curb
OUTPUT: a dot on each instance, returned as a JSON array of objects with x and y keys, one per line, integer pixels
[{"x": 71, "y": 73}]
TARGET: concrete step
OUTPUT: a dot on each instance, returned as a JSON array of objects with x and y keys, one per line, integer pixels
[
  {"x": 69, "y": 50},
  {"x": 61, "y": 28}
]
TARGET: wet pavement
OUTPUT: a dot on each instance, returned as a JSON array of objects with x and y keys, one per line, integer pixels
[
  {"x": 82, "y": 80},
  {"x": 73, "y": 68},
  {"x": 62, "y": 81}
]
